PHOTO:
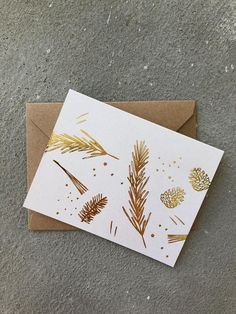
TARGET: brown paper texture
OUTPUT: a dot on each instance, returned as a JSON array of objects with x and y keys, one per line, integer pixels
[{"x": 177, "y": 115}]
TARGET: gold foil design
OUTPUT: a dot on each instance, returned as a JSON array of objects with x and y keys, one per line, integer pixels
[
  {"x": 173, "y": 238},
  {"x": 111, "y": 226},
  {"x": 111, "y": 223},
  {"x": 92, "y": 208},
  {"x": 172, "y": 197},
  {"x": 81, "y": 118},
  {"x": 199, "y": 180},
  {"x": 137, "y": 192},
  {"x": 67, "y": 143},
  {"x": 77, "y": 183}
]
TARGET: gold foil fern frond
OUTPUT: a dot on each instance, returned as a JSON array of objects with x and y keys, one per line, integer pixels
[
  {"x": 172, "y": 197},
  {"x": 67, "y": 143},
  {"x": 199, "y": 179}
]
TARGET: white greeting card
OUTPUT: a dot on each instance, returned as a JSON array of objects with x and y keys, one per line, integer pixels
[{"x": 122, "y": 178}]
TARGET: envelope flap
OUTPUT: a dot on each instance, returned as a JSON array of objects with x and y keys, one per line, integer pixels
[
  {"x": 172, "y": 114},
  {"x": 44, "y": 117}
]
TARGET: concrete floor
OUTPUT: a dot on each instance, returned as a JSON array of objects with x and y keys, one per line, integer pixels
[{"x": 117, "y": 50}]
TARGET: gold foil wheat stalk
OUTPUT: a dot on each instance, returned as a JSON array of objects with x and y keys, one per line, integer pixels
[
  {"x": 172, "y": 238},
  {"x": 78, "y": 184},
  {"x": 172, "y": 197},
  {"x": 137, "y": 193},
  {"x": 199, "y": 179},
  {"x": 92, "y": 208},
  {"x": 67, "y": 143}
]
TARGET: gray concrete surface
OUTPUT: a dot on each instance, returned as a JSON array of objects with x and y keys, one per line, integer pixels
[{"x": 117, "y": 50}]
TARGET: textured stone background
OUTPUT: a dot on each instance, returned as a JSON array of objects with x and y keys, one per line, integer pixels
[{"x": 117, "y": 50}]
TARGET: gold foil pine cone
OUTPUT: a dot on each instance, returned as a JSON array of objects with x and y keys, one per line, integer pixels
[
  {"x": 199, "y": 180},
  {"x": 172, "y": 197}
]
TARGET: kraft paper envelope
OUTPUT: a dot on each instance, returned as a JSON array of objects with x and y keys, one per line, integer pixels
[{"x": 177, "y": 115}]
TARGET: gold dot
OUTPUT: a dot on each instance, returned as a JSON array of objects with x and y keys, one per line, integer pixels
[
  {"x": 105, "y": 164},
  {"x": 169, "y": 177},
  {"x": 174, "y": 162},
  {"x": 152, "y": 235}
]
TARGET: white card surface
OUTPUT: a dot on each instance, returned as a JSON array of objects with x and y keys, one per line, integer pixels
[{"x": 122, "y": 178}]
